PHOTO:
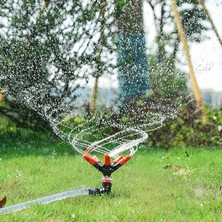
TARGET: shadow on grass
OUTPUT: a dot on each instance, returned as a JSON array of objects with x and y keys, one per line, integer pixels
[{"x": 26, "y": 142}]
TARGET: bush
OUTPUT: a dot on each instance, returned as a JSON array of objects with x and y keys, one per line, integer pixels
[
  {"x": 190, "y": 129},
  {"x": 16, "y": 115}
]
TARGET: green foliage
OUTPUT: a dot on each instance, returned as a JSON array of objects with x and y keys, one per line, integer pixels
[
  {"x": 165, "y": 75},
  {"x": 44, "y": 57},
  {"x": 190, "y": 129},
  {"x": 18, "y": 117},
  {"x": 119, "y": 5},
  {"x": 193, "y": 19},
  {"x": 165, "y": 79}
]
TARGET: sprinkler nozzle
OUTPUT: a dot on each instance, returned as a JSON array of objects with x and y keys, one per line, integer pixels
[
  {"x": 106, "y": 169},
  {"x": 107, "y": 160},
  {"x": 89, "y": 159},
  {"x": 124, "y": 160}
]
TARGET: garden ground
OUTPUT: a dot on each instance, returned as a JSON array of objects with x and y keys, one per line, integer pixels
[{"x": 156, "y": 185}]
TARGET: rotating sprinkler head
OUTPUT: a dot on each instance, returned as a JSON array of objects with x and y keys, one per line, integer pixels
[{"x": 106, "y": 169}]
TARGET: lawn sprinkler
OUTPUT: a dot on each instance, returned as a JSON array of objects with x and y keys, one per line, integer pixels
[
  {"x": 126, "y": 140},
  {"x": 106, "y": 169}
]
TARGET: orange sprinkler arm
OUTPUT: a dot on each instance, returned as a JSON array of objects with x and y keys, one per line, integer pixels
[
  {"x": 124, "y": 160},
  {"x": 89, "y": 159},
  {"x": 107, "y": 168},
  {"x": 118, "y": 159},
  {"x": 107, "y": 160}
]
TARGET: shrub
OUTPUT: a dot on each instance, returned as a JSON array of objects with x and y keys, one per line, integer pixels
[{"x": 190, "y": 129}]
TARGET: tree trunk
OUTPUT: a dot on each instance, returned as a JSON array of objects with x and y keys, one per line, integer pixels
[
  {"x": 131, "y": 56},
  {"x": 161, "y": 51},
  {"x": 96, "y": 85},
  {"x": 2, "y": 96},
  {"x": 211, "y": 21},
  {"x": 45, "y": 6},
  {"x": 94, "y": 97},
  {"x": 183, "y": 40}
]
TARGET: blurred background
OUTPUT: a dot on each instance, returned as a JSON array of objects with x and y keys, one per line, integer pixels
[{"x": 113, "y": 60}]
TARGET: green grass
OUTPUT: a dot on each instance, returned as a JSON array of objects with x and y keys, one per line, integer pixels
[{"x": 142, "y": 190}]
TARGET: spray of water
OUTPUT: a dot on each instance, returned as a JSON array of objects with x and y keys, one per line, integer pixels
[
  {"x": 74, "y": 48},
  {"x": 49, "y": 60}
]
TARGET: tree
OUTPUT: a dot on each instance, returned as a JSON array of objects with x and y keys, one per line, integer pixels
[
  {"x": 167, "y": 42},
  {"x": 103, "y": 9},
  {"x": 131, "y": 52},
  {"x": 196, "y": 90},
  {"x": 43, "y": 57},
  {"x": 202, "y": 2}
]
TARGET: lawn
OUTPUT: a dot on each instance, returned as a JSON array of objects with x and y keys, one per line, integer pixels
[{"x": 155, "y": 185}]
